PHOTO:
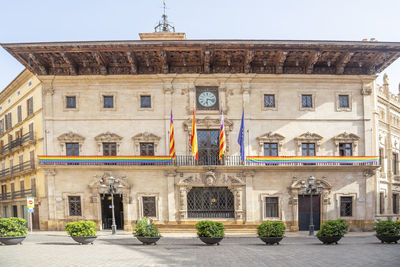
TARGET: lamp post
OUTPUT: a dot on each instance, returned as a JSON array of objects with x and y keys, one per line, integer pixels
[
  {"x": 111, "y": 186},
  {"x": 311, "y": 188}
]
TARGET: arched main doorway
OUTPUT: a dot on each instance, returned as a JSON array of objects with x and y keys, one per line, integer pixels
[{"x": 210, "y": 202}]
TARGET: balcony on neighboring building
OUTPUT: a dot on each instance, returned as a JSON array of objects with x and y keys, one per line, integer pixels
[
  {"x": 18, "y": 194},
  {"x": 18, "y": 169},
  {"x": 181, "y": 160},
  {"x": 24, "y": 139}
]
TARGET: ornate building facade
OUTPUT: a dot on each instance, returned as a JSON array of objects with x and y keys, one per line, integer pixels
[{"x": 309, "y": 110}]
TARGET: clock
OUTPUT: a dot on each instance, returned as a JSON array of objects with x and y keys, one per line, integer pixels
[{"x": 207, "y": 98}]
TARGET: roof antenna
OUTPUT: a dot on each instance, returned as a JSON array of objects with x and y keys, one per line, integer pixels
[{"x": 163, "y": 25}]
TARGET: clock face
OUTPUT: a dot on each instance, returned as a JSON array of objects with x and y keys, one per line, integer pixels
[{"x": 207, "y": 99}]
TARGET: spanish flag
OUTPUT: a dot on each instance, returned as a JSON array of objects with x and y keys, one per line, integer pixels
[
  {"x": 193, "y": 140},
  {"x": 171, "y": 138},
  {"x": 222, "y": 143}
]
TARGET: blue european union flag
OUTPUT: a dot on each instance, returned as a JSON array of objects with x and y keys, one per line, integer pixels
[{"x": 241, "y": 138}]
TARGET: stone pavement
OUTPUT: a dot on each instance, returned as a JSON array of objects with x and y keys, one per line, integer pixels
[{"x": 297, "y": 249}]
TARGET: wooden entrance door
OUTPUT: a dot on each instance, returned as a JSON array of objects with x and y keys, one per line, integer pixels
[
  {"x": 35, "y": 218},
  {"x": 304, "y": 212}
]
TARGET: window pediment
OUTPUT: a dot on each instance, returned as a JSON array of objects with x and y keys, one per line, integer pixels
[
  {"x": 70, "y": 137},
  {"x": 108, "y": 137},
  {"x": 270, "y": 138},
  {"x": 346, "y": 137},
  {"x": 145, "y": 137},
  {"x": 208, "y": 123},
  {"x": 308, "y": 138}
]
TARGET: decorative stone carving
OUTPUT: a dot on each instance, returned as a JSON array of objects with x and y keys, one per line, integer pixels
[
  {"x": 368, "y": 173},
  {"x": 270, "y": 138},
  {"x": 366, "y": 89},
  {"x": 295, "y": 190},
  {"x": 347, "y": 138},
  {"x": 108, "y": 137},
  {"x": 145, "y": 137},
  {"x": 70, "y": 137},
  {"x": 308, "y": 138}
]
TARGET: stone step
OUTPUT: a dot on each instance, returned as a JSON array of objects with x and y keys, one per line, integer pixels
[{"x": 190, "y": 228}]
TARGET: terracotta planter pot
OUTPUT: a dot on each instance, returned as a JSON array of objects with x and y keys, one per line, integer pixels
[
  {"x": 329, "y": 239},
  {"x": 388, "y": 239},
  {"x": 84, "y": 240},
  {"x": 271, "y": 240},
  {"x": 12, "y": 240},
  {"x": 211, "y": 240},
  {"x": 148, "y": 240}
]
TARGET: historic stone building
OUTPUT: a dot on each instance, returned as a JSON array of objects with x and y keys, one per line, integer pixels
[{"x": 309, "y": 110}]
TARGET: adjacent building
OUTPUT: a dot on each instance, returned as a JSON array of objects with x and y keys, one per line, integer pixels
[{"x": 311, "y": 108}]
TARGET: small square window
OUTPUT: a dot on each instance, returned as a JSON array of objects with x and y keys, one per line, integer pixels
[
  {"x": 145, "y": 101},
  {"x": 108, "y": 101},
  {"x": 269, "y": 101},
  {"x": 346, "y": 206},
  {"x": 71, "y": 102},
  {"x": 344, "y": 101},
  {"x": 75, "y": 207},
  {"x": 306, "y": 101}
]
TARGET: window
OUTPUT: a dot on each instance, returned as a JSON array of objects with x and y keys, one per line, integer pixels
[
  {"x": 344, "y": 101},
  {"x": 145, "y": 101},
  {"x": 306, "y": 101},
  {"x": 269, "y": 101},
  {"x": 271, "y": 207},
  {"x": 146, "y": 149},
  {"x": 3, "y": 189},
  {"x": 109, "y": 149},
  {"x": 15, "y": 211},
  {"x": 345, "y": 149},
  {"x": 381, "y": 203},
  {"x": 395, "y": 203},
  {"x": 381, "y": 156},
  {"x": 394, "y": 163},
  {"x": 8, "y": 119},
  {"x": 5, "y": 212},
  {"x": 72, "y": 149},
  {"x": 75, "y": 208},
  {"x": 308, "y": 149},
  {"x": 29, "y": 104},
  {"x": 1, "y": 126},
  {"x": 271, "y": 149},
  {"x": 19, "y": 113},
  {"x": 70, "y": 101},
  {"x": 149, "y": 207},
  {"x": 108, "y": 101},
  {"x": 346, "y": 206}
]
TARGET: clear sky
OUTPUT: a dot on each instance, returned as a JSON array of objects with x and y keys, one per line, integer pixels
[{"x": 89, "y": 20}]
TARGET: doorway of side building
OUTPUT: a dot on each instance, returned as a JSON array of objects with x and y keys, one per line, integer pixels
[
  {"x": 304, "y": 212},
  {"x": 106, "y": 211}
]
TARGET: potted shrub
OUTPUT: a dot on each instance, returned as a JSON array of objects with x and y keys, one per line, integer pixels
[
  {"x": 332, "y": 231},
  {"x": 146, "y": 231},
  {"x": 12, "y": 230},
  {"x": 210, "y": 232},
  {"x": 387, "y": 231},
  {"x": 271, "y": 232},
  {"x": 83, "y": 232}
]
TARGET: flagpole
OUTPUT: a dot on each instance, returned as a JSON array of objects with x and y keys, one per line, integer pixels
[{"x": 248, "y": 143}]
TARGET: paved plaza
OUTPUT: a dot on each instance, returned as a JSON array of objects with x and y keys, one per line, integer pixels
[{"x": 57, "y": 249}]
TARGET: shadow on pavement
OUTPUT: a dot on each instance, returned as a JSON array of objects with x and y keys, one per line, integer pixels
[{"x": 59, "y": 243}]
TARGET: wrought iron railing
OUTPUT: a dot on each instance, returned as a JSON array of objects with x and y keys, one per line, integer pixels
[
  {"x": 18, "y": 142},
  {"x": 18, "y": 194},
  {"x": 181, "y": 160},
  {"x": 24, "y": 166}
]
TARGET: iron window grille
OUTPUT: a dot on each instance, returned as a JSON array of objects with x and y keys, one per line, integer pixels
[
  {"x": 269, "y": 101},
  {"x": 149, "y": 206},
  {"x": 210, "y": 202},
  {"x": 271, "y": 207},
  {"x": 346, "y": 206},
  {"x": 75, "y": 207}
]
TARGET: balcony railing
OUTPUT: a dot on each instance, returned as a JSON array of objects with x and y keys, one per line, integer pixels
[
  {"x": 25, "y": 166},
  {"x": 18, "y": 142},
  {"x": 18, "y": 194},
  {"x": 207, "y": 161}
]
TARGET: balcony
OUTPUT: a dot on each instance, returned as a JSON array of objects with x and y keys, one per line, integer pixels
[
  {"x": 206, "y": 161},
  {"x": 18, "y": 169},
  {"x": 18, "y": 194},
  {"x": 18, "y": 142}
]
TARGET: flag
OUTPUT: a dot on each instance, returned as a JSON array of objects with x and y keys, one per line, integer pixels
[
  {"x": 241, "y": 138},
  {"x": 193, "y": 140},
  {"x": 222, "y": 144},
  {"x": 171, "y": 138}
]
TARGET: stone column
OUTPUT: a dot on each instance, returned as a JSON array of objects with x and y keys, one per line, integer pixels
[
  {"x": 171, "y": 196},
  {"x": 51, "y": 198},
  {"x": 249, "y": 196}
]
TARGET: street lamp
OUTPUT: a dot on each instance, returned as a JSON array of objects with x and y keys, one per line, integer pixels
[
  {"x": 111, "y": 186},
  {"x": 311, "y": 189}
]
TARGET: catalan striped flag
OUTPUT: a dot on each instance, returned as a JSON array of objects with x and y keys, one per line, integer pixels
[
  {"x": 241, "y": 138},
  {"x": 193, "y": 140},
  {"x": 222, "y": 142},
  {"x": 171, "y": 138}
]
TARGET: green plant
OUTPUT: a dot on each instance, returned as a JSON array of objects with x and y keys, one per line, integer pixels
[
  {"x": 81, "y": 228},
  {"x": 333, "y": 228},
  {"x": 146, "y": 228},
  {"x": 387, "y": 228},
  {"x": 271, "y": 229},
  {"x": 13, "y": 227},
  {"x": 210, "y": 229}
]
